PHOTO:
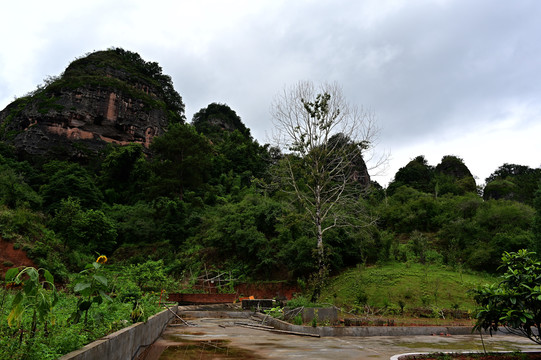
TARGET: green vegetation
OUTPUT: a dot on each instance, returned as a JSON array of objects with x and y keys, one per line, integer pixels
[
  {"x": 33, "y": 297},
  {"x": 514, "y": 302},
  {"x": 139, "y": 79},
  {"x": 404, "y": 286},
  {"x": 39, "y": 322},
  {"x": 206, "y": 197}
]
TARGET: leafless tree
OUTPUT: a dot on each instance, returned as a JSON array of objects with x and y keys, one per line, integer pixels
[{"x": 325, "y": 141}]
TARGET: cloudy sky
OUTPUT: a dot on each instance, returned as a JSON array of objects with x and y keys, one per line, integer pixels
[{"x": 442, "y": 77}]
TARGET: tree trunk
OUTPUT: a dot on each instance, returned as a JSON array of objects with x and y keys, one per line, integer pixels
[
  {"x": 319, "y": 230},
  {"x": 320, "y": 252}
]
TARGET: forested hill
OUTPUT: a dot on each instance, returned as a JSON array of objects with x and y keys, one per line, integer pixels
[
  {"x": 107, "y": 97},
  {"x": 102, "y": 160}
]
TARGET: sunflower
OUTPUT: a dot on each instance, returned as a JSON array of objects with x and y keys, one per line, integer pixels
[{"x": 102, "y": 259}]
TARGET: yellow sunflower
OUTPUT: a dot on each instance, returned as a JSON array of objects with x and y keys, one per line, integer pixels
[{"x": 102, "y": 259}]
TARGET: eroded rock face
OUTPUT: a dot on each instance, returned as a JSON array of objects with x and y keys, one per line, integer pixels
[
  {"x": 82, "y": 121},
  {"x": 88, "y": 107}
]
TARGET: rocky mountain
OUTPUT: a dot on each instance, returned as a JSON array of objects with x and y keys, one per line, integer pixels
[{"x": 106, "y": 97}]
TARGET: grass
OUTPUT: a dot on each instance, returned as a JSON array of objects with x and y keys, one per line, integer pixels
[{"x": 405, "y": 286}]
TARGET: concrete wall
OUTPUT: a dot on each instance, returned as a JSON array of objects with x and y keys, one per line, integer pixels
[
  {"x": 126, "y": 343},
  {"x": 267, "y": 290},
  {"x": 279, "y": 290},
  {"x": 329, "y": 315},
  {"x": 202, "y": 298},
  {"x": 367, "y": 330},
  {"x": 216, "y": 314}
]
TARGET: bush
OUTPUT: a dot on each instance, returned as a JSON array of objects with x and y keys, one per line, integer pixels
[
  {"x": 149, "y": 275},
  {"x": 515, "y": 302},
  {"x": 300, "y": 301}
]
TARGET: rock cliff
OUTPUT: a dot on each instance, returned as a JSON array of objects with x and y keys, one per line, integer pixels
[{"x": 106, "y": 97}]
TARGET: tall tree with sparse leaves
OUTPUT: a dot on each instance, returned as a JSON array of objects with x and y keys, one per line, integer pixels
[{"x": 324, "y": 138}]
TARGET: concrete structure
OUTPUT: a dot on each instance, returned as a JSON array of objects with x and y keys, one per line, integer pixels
[
  {"x": 183, "y": 299},
  {"x": 126, "y": 343},
  {"x": 261, "y": 290},
  {"x": 367, "y": 330},
  {"x": 211, "y": 337},
  {"x": 322, "y": 315},
  {"x": 324, "y": 331},
  {"x": 258, "y": 304},
  {"x": 214, "y": 314}
]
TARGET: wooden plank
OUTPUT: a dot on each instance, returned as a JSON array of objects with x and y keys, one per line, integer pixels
[{"x": 181, "y": 319}]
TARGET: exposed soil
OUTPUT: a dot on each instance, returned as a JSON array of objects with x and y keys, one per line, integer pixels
[{"x": 10, "y": 257}]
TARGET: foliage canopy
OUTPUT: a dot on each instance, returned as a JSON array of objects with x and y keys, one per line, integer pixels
[{"x": 514, "y": 303}]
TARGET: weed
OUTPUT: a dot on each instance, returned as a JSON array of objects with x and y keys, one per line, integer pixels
[{"x": 401, "y": 304}]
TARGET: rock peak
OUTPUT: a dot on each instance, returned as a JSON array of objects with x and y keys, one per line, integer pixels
[{"x": 106, "y": 97}]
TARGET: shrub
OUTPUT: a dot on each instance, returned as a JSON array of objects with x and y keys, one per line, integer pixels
[{"x": 515, "y": 302}]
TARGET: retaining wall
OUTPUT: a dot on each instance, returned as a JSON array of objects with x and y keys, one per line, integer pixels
[
  {"x": 329, "y": 315},
  {"x": 367, "y": 330},
  {"x": 329, "y": 330},
  {"x": 216, "y": 314},
  {"x": 267, "y": 290},
  {"x": 126, "y": 343},
  {"x": 261, "y": 290},
  {"x": 202, "y": 298}
]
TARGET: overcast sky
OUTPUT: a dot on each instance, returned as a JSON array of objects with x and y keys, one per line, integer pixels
[{"x": 442, "y": 77}]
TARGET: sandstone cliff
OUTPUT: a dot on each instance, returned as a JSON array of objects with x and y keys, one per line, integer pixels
[{"x": 106, "y": 97}]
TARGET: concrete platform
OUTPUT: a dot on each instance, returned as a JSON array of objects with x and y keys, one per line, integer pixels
[{"x": 224, "y": 338}]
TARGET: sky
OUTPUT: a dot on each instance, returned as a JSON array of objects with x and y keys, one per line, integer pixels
[{"x": 442, "y": 77}]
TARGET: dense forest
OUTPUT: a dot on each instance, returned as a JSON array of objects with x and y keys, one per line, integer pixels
[{"x": 206, "y": 195}]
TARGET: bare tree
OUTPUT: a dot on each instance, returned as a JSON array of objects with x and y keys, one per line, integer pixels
[{"x": 325, "y": 140}]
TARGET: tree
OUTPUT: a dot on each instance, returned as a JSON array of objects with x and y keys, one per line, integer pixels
[
  {"x": 235, "y": 148},
  {"x": 182, "y": 159},
  {"x": 216, "y": 119},
  {"x": 124, "y": 173},
  {"x": 243, "y": 232},
  {"x": 14, "y": 191},
  {"x": 321, "y": 170},
  {"x": 77, "y": 228},
  {"x": 513, "y": 182},
  {"x": 452, "y": 176},
  {"x": 69, "y": 179},
  {"x": 416, "y": 174},
  {"x": 536, "y": 228},
  {"x": 514, "y": 303}
]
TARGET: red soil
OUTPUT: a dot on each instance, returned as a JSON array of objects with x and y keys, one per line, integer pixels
[{"x": 10, "y": 257}]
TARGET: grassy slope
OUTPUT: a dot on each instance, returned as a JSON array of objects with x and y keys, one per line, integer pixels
[{"x": 417, "y": 285}]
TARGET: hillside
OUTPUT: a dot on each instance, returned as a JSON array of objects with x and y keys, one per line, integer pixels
[
  {"x": 106, "y": 97},
  {"x": 100, "y": 160},
  {"x": 410, "y": 286}
]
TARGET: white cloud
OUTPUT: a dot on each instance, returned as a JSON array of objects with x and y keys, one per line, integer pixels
[{"x": 443, "y": 77}]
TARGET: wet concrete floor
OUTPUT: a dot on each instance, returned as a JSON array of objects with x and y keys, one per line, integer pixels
[{"x": 225, "y": 339}]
